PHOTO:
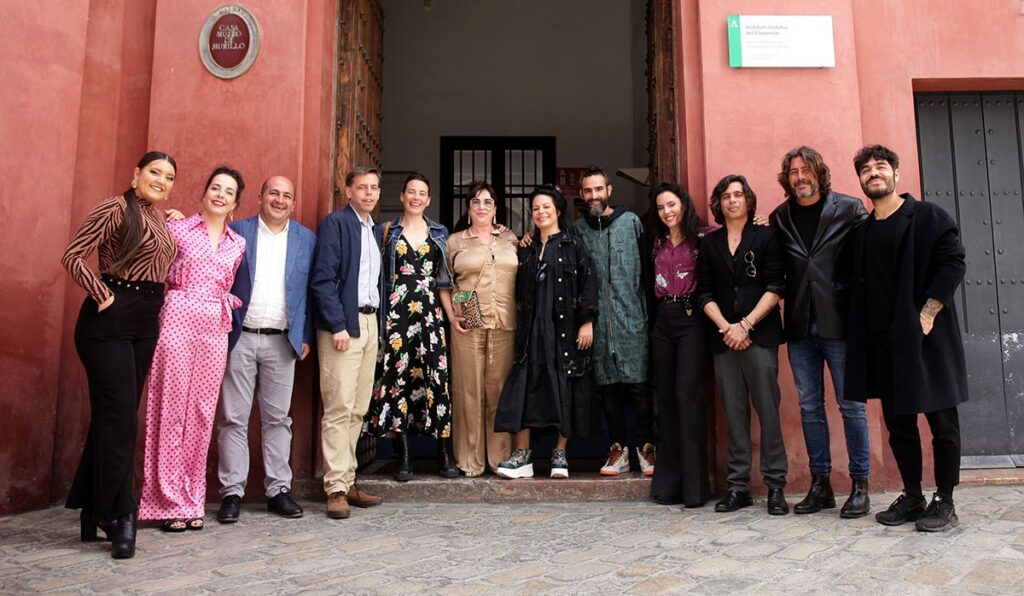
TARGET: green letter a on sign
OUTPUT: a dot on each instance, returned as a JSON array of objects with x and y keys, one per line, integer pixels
[{"x": 735, "y": 46}]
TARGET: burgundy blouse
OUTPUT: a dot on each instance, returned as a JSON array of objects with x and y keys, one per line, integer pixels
[{"x": 675, "y": 267}]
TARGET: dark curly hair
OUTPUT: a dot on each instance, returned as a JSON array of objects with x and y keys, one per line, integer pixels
[
  {"x": 877, "y": 153},
  {"x": 814, "y": 161},
  {"x": 716, "y": 197},
  {"x": 691, "y": 224}
]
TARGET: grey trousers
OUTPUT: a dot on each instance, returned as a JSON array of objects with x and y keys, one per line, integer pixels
[
  {"x": 752, "y": 372},
  {"x": 263, "y": 365}
]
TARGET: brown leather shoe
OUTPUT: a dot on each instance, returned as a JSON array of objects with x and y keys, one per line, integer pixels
[
  {"x": 360, "y": 498},
  {"x": 337, "y": 506}
]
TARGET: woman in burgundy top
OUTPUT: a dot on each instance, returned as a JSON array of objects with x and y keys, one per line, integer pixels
[
  {"x": 679, "y": 353},
  {"x": 115, "y": 337}
]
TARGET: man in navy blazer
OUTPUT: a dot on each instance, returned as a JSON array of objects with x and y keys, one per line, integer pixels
[
  {"x": 269, "y": 333},
  {"x": 347, "y": 286}
]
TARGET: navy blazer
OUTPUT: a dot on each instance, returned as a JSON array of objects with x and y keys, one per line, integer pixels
[
  {"x": 335, "y": 278},
  {"x": 298, "y": 262}
]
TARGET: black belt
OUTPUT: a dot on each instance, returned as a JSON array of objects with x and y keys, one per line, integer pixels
[
  {"x": 367, "y": 310},
  {"x": 150, "y": 289},
  {"x": 686, "y": 300},
  {"x": 264, "y": 331}
]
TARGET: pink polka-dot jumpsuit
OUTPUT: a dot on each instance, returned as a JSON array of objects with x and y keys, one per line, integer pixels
[{"x": 188, "y": 366}]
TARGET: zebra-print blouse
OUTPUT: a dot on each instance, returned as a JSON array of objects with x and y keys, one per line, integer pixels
[{"x": 101, "y": 231}]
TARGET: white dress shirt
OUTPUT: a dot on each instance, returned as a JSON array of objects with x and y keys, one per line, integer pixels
[
  {"x": 369, "y": 263},
  {"x": 268, "y": 307}
]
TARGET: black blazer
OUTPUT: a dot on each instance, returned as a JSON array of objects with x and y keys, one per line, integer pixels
[
  {"x": 820, "y": 274},
  {"x": 736, "y": 285}
]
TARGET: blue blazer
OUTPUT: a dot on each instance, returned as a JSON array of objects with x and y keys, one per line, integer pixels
[
  {"x": 335, "y": 279},
  {"x": 299, "y": 261}
]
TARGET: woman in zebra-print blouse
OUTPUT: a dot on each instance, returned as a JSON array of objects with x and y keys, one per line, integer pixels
[{"x": 115, "y": 336}]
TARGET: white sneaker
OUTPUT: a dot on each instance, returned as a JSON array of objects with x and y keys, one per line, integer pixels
[
  {"x": 646, "y": 457},
  {"x": 618, "y": 461}
]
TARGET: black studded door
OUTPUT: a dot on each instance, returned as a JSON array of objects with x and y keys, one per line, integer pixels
[{"x": 971, "y": 165}]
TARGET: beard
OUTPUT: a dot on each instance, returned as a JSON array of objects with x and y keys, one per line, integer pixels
[
  {"x": 596, "y": 207},
  {"x": 875, "y": 193},
  {"x": 810, "y": 191}
]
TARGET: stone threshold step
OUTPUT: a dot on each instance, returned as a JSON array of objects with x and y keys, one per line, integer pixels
[{"x": 584, "y": 486}]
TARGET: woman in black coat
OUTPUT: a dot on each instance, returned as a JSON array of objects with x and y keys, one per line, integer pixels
[{"x": 556, "y": 304}]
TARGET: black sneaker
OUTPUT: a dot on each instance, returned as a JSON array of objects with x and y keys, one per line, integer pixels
[
  {"x": 905, "y": 508},
  {"x": 939, "y": 517}
]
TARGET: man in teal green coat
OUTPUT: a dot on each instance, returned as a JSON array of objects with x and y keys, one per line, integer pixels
[{"x": 616, "y": 239}]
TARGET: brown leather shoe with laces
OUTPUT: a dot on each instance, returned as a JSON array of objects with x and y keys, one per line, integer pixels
[
  {"x": 337, "y": 506},
  {"x": 357, "y": 497}
]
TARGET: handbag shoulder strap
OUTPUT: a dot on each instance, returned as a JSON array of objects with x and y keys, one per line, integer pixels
[{"x": 384, "y": 236}]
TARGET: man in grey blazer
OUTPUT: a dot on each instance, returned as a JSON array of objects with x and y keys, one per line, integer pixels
[{"x": 269, "y": 333}]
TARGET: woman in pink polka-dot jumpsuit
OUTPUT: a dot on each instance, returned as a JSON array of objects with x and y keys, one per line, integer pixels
[{"x": 190, "y": 358}]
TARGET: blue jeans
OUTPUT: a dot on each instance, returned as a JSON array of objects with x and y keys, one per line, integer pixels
[{"x": 807, "y": 358}]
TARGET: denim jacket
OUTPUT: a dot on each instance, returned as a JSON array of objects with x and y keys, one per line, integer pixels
[{"x": 438, "y": 235}]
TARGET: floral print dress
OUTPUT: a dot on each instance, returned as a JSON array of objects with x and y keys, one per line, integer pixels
[{"x": 411, "y": 391}]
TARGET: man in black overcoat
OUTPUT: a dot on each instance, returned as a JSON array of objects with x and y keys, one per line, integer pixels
[{"x": 904, "y": 343}]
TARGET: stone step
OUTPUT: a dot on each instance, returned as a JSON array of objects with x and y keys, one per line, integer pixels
[{"x": 584, "y": 484}]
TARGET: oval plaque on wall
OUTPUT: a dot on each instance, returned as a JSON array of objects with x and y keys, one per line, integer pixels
[{"x": 229, "y": 41}]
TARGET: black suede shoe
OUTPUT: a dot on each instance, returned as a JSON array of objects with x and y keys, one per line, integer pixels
[
  {"x": 777, "y": 504},
  {"x": 904, "y": 509},
  {"x": 939, "y": 517},
  {"x": 859, "y": 503},
  {"x": 734, "y": 500},
  {"x": 230, "y": 508},
  {"x": 819, "y": 497},
  {"x": 284, "y": 505}
]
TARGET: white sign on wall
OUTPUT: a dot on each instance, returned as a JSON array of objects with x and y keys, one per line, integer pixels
[{"x": 774, "y": 41}]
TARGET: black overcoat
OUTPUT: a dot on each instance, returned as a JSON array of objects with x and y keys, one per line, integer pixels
[{"x": 929, "y": 372}]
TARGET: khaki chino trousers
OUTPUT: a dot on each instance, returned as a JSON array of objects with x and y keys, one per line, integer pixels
[
  {"x": 480, "y": 363},
  {"x": 346, "y": 382}
]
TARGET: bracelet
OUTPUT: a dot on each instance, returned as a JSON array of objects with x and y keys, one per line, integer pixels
[{"x": 750, "y": 326}]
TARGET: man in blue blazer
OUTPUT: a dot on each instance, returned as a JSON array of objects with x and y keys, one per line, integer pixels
[
  {"x": 271, "y": 330},
  {"x": 347, "y": 286}
]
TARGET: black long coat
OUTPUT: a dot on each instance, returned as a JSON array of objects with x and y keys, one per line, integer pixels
[
  {"x": 929, "y": 372},
  {"x": 576, "y": 290}
]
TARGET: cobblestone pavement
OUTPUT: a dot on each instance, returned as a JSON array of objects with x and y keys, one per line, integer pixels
[{"x": 534, "y": 548}]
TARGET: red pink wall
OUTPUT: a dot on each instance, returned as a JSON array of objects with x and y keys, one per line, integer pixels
[{"x": 96, "y": 83}]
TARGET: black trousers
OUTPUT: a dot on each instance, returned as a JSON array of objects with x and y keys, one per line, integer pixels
[
  {"x": 616, "y": 399},
  {"x": 905, "y": 442},
  {"x": 116, "y": 348},
  {"x": 904, "y": 437},
  {"x": 679, "y": 357}
]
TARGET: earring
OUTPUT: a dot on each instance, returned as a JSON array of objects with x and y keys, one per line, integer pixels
[{"x": 135, "y": 183}]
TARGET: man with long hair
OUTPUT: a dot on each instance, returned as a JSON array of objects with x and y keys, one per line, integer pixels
[{"x": 814, "y": 226}]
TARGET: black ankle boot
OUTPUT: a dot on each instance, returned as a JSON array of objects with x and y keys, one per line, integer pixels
[
  {"x": 89, "y": 527},
  {"x": 401, "y": 446},
  {"x": 819, "y": 497},
  {"x": 859, "y": 502},
  {"x": 124, "y": 537},
  {"x": 445, "y": 466}
]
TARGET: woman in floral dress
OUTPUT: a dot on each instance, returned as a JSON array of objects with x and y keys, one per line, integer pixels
[{"x": 411, "y": 394}]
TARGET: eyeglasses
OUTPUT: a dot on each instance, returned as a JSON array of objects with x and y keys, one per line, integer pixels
[
  {"x": 542, "y": 271},
  {"x": 749, "y": 260},
  {"x": 485, "y": 203}
]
